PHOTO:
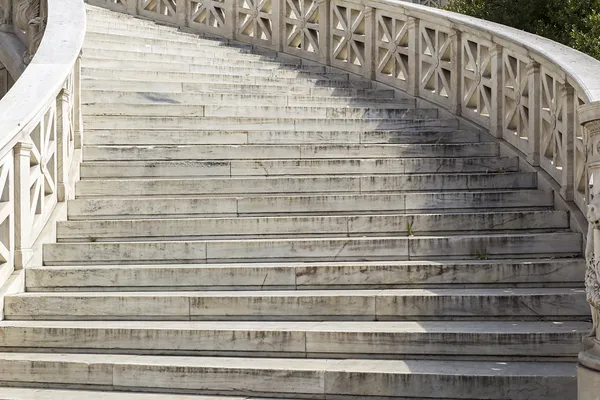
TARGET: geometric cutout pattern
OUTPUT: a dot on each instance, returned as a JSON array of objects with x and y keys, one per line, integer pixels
[
  {"x": 392, "y": 35},
  {"x": 437, "y": 62},
  {"x": 477, "y": 79},
  {"x": 302, "y": 25},
  {"x": 348, "y": 32},
  {"x": 255, "y": 19},
  {"x": 553, "y": 127},
  {"x": 516, "y": 72},
  {"x": 161, "y": 9},
  {"x": 208, "y": 13}
]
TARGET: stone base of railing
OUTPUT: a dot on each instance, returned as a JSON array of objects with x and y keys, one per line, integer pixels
[{"x": 588, "y": 373}]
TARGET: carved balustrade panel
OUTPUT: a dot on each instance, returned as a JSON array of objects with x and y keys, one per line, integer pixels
[
  {"x": 349, "y": 33},
  {"x": 209, "y": 15},
  {"x": 256, "y": 21},
  {"x": 438, "y": 53},
  {"x": 304, "y": 28},
  {"x": 478, "y": 79},
  {"x": 517, "y": 95},
  {"x": 7, "y": 210},
  {"x": 555, "y": 129},
  {"x": 393, "y": 39},
  {"x": 43, "y": 170},
  {"x": 581, "y": 178},
  {"x": 162, "y": 10}
]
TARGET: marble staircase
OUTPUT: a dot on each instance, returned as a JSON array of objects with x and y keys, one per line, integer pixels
[{"x": 249, "y": 225}]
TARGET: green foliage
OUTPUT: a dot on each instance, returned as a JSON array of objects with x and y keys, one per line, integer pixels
[{"x": 575, "y": 23}]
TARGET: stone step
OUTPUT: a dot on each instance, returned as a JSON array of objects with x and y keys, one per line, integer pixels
[
  {"x": 340, "y": 225},
  {"x": 318, "y": 275},
  {"x": 192, "y": 168},
  {"x": 185, "y": 110},
  {"x": 185, "y": 66},
  {"x": 390, "y": 340},
  {"x": 106, "y": 207},
  {"x": 348, "y": 184},
  {"x": 306, "y": 378},
  {"x": 183, "y": 41},
  {"x": 282, "y": 88},
  {"x": 410, "y": 135},
  {"x": 187, "y": 53},
  {"x": 514, "y": 245},
  {"x": 14, "y": 393},
  {"x": 211, "y": 82},
  {"x": 221, "y": 53},
  {"x": 217, "y": 74},
  {"x": 298, "y": 152},
  {"x": 125, "y": 35},
  {"x": 315, "y": 305},
  {"x": 112, "y": 97}
]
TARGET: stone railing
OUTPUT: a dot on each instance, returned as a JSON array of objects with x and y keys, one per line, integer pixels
[{"x": 40, "y": 123}]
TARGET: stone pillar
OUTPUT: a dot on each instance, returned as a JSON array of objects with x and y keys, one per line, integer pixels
[{"x": 589, "y": 359}]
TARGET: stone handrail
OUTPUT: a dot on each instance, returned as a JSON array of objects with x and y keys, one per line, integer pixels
[{"x": 40, "y": 127}]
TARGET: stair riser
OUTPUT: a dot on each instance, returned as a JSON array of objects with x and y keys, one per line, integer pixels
[
  {"x": 354, "y": 306},
  {"x": 108, "y": 97},
  {"x": 291, "y": 185},
  {"x": 264, "y": 205},
  {"x": 319, "y": 276},
  {"x": 208, "y": 73},
  {"x": 327, "y": 380},
  {"x": 256, "y": 112},
  {"x": 132, "y": 169},
  {"x": 295, "y": 343},
  {"x": 400, "y": 225},
  {"x": 231, "y": 88},
  {"x": 220, "y": 53},
  {"x": 181, "y": 66},
  {"x": 149, "y": 137},
  {"x": 296, "y": 152},
  {"x": 323, "y": 249}
]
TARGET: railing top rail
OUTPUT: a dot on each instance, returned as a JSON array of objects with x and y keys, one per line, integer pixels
[
  {"x": 581, "y": 70},
  {"x": 47, "y": 72}
]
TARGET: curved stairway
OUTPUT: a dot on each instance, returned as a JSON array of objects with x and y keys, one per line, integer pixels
[{"x": 251, "y": 225}]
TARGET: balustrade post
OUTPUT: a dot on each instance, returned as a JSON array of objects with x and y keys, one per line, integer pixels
[
  {"x": 566, "y": 186},
  {"x": 63, "y": 134},
  {"x": 535, "y": 113},
  {"x": 278, "y": 25},
  {"x": 231, "y": 19},
  {"x": 77, "y": 113},
  {"x": 370, "y": 44},
  {"x": 497, "y": 111},
  {"x": 23, "y": 216},
  {"x": 324, "y": 32},
  {"x": 456, "y": 97},
  {"x": 414, "y": 51},
  {"x": 181, "y": 7},
  {"x": 131, "y": 7},
  {"x": 588, "y": 373}
]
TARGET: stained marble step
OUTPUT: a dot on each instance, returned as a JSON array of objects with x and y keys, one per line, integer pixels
[
  {"x": 90, "y": 97},
  {"x": 317, "y": 275},
  {"x": 226, "y": 168},
  {"x": 332, "y": 113},
  {"x": 208, "y": 73},
  {"x": 16, "y": 393},
  {"x": 301, "y": 378},
  {"x": 113, "y": 207},
  {"x": 276, "y": 87},
  {"x": 295, "y": 152},
  {"x": 416, "y": 134},
  {"x": 300, "y": 184},
  {"x": 298, "y": 305},
  {"x": 348, "y": 225},
  {"x": 441, "y": 340},
  {"x": 493, "y": 246}
]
